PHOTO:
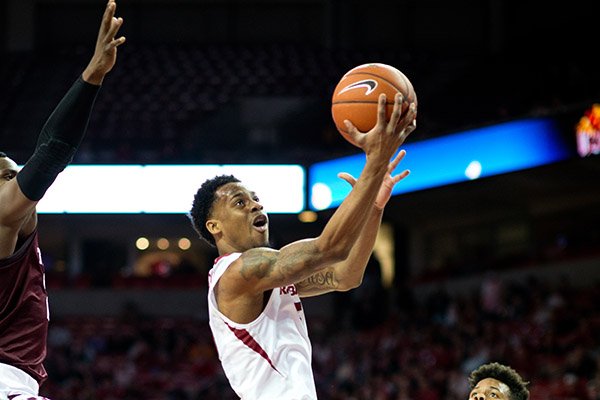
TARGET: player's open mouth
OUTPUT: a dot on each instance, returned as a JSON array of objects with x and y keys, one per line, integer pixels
[{"x": 261, "y": 223}]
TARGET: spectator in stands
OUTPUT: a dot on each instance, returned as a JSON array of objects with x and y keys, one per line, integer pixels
[
  {"x": 24, "y": 313},
  {"x": 497, "y": 381}
]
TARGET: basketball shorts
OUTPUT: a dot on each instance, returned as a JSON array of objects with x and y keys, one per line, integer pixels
[{"x": 17, "y": 385}]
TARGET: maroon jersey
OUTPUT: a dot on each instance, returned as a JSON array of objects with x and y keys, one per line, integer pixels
[{"x": 24, "y": 309}]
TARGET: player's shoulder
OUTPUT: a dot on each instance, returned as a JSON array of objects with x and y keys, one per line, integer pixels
[
  {"x": 220, "y": 266},
  {"x": 226, "y": 259},
  {"x": 234, "y": 264},
  {"x": 222, "y": 263},
  {"x": 15, "y": 208}
]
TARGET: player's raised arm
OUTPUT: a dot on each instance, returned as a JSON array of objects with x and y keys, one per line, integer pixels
[
  {"x": 260, "y": 269},
  {"x": 348, "y": 274},
  {"x": 25, "y": 314},
  {"x": 105, "y": 53},
  {"x": 64, "y": 130}
]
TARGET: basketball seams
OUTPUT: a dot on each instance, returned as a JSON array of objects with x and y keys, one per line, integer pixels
[
  {"x": 341, "y": 127},
  {"x": 392, "y": 84},
  {"x": 408, "y": 87},
  {"x": 389, "y": 103},
  {"x": 358, "y": 108}
]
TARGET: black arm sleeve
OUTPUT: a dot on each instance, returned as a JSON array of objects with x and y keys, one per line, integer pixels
[
  {"x": 69, "y": 120},
  {"x": 58, "y": 140},
  {"x": 43, "y": 167}
]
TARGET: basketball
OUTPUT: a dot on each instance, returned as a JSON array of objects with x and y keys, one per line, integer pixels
[{"x": 356, "y": 95}]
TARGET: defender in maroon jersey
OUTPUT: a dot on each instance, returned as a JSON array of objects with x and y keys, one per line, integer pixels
[{"x": 24, "y": 311}]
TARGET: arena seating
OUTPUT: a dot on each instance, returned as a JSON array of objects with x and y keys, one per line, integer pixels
[
  {"x": 177, "y": 102},
  {"x": 424, "y": 350}
]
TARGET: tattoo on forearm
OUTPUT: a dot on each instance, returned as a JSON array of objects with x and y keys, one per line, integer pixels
[{"x": 325, "y": 279}]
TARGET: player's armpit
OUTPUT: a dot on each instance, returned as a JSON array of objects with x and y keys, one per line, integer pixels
[{"x": 321, "y": 282}]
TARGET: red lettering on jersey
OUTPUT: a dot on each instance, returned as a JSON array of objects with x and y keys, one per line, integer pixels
[{"x": 290, "y": 289}]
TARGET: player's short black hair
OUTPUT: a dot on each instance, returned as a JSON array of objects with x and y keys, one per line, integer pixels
[
  {"x": 203, "y": 202},
  {"x": 504, "y": 374}
]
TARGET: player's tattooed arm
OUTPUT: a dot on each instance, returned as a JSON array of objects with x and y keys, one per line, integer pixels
[
  {"x": 263, "y": 268},
  {"x": 257, "y": 264},
  {"x": 322, "y": 282},
  {"x": 242, "y": 289},
  {"x": 348, "y": 274}
]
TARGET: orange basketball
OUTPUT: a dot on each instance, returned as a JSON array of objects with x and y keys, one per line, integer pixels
[{"x": 356, "y": 94}]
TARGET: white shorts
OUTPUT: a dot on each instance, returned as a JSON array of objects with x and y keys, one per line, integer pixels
[
  {"x": 17, "y": 385},
  {"x": 20, "y": 396}
]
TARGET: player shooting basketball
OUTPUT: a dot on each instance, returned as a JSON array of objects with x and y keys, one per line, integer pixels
[
  {"x": 23, "y": 298},
  {"x": 254, "y": 291}
]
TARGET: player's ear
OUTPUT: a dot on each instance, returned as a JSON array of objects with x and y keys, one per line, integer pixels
[{"x": 213, "y": 226}]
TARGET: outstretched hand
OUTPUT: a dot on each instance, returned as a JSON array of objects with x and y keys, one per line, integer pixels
[
  {"x": 386, "y": 136},
  {"x": 389, "y": 180},
  {"x": 105, "y": 54}
]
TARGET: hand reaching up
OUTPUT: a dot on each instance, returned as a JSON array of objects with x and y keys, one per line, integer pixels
[
  {"x": 389, "y": 180},
  {"x": 105, "y": 54},
  {"x": 383, "y": 140}
]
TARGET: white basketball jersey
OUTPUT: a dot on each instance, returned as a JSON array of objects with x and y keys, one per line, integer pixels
[{"x": 270, "y": 357}]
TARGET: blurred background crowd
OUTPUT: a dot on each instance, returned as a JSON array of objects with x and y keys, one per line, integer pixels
[{"x": 370, "y": 349}]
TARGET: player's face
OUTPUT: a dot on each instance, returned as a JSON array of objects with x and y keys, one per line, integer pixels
[
  {"x": 8, "y": 170},
  {"x": 240, "y": 217},
  {"x": 490, "y": 388}
]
